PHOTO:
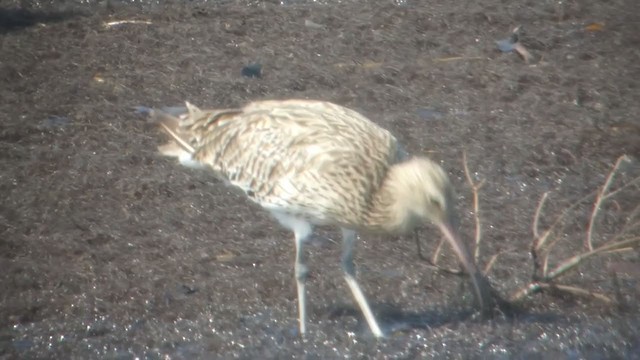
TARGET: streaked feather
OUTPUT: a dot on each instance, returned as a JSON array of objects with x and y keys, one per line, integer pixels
[{"x": 315, "y": 159}]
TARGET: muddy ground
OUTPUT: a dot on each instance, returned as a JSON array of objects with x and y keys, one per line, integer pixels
[{"x": 109, "y": 251}]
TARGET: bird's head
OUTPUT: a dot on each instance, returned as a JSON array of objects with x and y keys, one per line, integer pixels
[{"x": 424, "y": 194}]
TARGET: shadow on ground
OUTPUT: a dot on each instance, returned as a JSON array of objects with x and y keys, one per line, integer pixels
[{"x": 19, "y": 18}]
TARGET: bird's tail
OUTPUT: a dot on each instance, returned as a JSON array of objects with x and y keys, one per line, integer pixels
[{"x": 188, "y": 128}]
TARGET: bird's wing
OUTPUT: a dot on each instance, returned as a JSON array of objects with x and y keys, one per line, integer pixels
[{"x": 309, "y": 158}]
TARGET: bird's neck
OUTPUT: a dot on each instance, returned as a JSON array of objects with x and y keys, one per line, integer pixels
[{"x": 388, "y": 211}]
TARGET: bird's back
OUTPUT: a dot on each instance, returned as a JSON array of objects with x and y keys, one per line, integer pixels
[{"x": 312, "y": 159}]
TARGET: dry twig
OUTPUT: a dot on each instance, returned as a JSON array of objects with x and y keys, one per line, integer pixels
[
  {"x": 544, "y": 275},
  {"x": 475, "y": 187},
  {"x": 603, "y": 195},
  {"x": 433, "y": 262}
]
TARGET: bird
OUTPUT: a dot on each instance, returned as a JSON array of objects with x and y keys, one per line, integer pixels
[{"x": 315, "y": 163}]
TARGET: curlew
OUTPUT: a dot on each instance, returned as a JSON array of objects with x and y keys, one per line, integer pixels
[{"x": 317, "y": 163}]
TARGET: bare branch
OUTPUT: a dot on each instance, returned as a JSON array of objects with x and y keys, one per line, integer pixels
[
  {"x": 433, "y": 262},
  {"x": 579, "y": 291},
  {"x": 536, "y": 218},
  {"x": 616, "y": 191},
  {"x": 574, "y": 261},
  {"x": 545, "y": 273},
  {"x": 547, "y": 254},
  {"x": 545, "y": 266},
  {"x": 491, "y": 263},
  {"x": 621, "y": 250},
  {"x": 436, "y": 253},
  {"x": 539, "y": 286},
  {"x": 443, "y": 269},
  {"x": 561, "y": 218},
  {"x": 603, "y": 195},
  {"x": 475, "y": 187},
  {"x": 536, "y": 235}
]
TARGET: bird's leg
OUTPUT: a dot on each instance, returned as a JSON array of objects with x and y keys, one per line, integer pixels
[
  {"x": 348, "y": 242},
  {"x": 301, "y": 272},
  {"x": 302, "y": 229}
]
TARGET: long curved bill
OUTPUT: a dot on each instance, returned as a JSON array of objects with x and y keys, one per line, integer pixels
[{"x": 481, "y": 285}]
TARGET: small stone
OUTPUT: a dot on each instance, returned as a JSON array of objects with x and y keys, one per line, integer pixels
[{"x": 252, "y": 71}]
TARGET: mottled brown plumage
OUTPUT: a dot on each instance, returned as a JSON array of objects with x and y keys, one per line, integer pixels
[
  {"x": 311, "y": 159},
  {"x": 316, "y": 163}
]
